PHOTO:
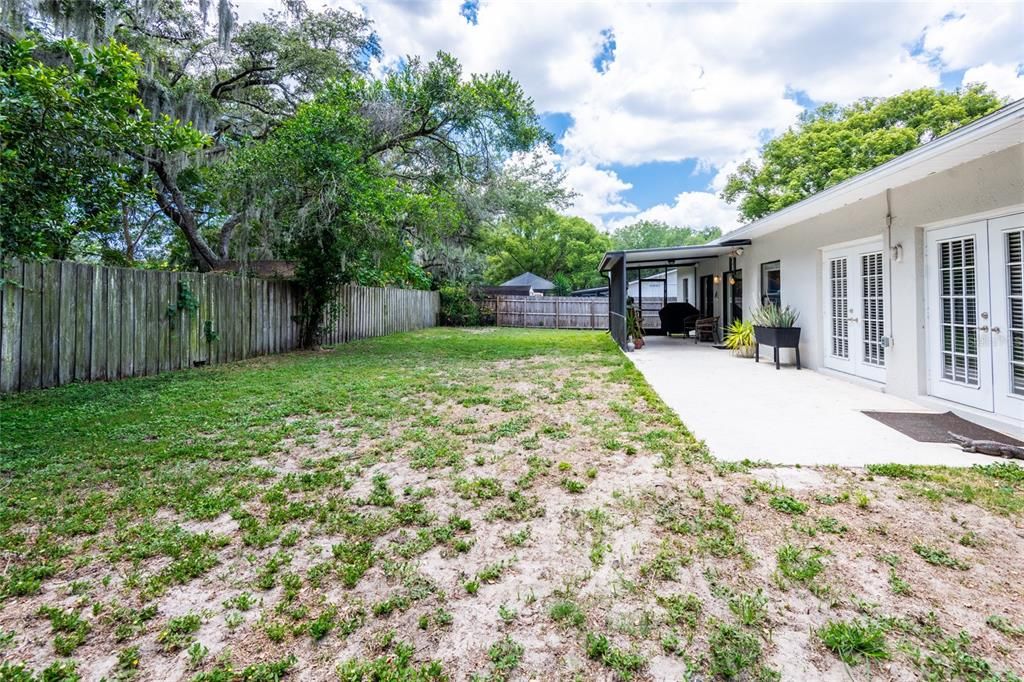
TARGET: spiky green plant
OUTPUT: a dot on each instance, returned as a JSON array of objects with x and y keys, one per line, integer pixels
[
  {"x": 739, "y": 336},
  {"x": 772, "y": 315}
]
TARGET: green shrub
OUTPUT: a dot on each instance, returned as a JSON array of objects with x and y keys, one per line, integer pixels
[
  {"x": 732, "y": 651},
  {"x": 568, "y": 612},
  {"x": 458, "y": 309},
  {"x": 897, "y": 470},
  {"x": 939, "y": 557}
]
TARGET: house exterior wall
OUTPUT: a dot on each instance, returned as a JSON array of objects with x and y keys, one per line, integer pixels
[
  {"x": 685, "y": 281},
  {"x": 989, "y": 186}
]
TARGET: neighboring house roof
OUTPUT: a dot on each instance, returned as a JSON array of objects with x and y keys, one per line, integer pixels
[
  {"x": 507, "y": 291},
  {"x": 658, "y": 276},
  {"x": 594, "y": 292},
  {"x": 528, "y": 279}
]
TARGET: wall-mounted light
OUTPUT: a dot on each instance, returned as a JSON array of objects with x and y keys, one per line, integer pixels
[
  {"x": 716, "y": 279},
  {"x": 897, "y": 253},
  {"x": 732, "y": 281},
  {"x": 738, "y": 251}
]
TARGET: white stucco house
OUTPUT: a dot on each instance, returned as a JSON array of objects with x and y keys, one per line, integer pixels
[{"x": 907, "y": 277}]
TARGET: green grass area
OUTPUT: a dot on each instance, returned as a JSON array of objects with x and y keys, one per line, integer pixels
[
  {"x": 378, "y": 496},
  {"x": 84, "y": 457},
  {"x": 998, "y": 487}
]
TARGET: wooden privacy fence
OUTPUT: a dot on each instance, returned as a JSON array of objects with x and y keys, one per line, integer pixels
[
  {"x": 552, "y": 312},
  {"x": 62, "y": 322}
]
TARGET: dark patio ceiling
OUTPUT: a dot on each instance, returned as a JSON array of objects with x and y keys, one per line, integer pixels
[{"x": 670, "y": 256}]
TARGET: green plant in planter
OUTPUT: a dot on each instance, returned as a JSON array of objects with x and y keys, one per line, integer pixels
[
  {"x": 739, "y": 337},
  {"x": 772, "y": 315},
  {"x": 634, "y": 324}
]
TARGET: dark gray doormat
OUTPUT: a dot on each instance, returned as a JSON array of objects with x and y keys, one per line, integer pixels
[{"x": 927, "y": 427}]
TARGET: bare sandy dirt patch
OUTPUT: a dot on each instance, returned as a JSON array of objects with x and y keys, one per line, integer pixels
[{"x": 536, "y": 518}]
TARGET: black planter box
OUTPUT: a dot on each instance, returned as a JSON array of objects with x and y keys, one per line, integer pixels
[{"x": 777, "y": 337}]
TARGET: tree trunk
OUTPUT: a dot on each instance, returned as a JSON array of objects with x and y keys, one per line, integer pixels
[
  {"x": 174, "y": 205},
  {"x": 129, "y": 243}
]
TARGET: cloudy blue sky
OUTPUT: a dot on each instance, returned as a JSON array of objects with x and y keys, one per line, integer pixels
[{"x": 653, "y": 103}]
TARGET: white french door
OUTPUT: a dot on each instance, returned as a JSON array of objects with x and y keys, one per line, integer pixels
[
  {"x": 960, "y": 356},
  {"x": 976, "y": 314},
  {"x": 1006, "y": 245},
  {"x": 854, "y": 289}
]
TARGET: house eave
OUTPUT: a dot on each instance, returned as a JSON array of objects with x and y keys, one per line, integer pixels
[{"x": 995, "y": 132}]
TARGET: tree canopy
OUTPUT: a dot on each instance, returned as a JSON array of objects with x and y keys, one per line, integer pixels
[
  {"x": 563, "y": 249},
  {"x": 223, "y": 145},
  {"x": 369, "y": 169},
  {"x": 647, "y": 234},
  {"x": 833, "y": 143},
  {"x": 70, "y": 120}
]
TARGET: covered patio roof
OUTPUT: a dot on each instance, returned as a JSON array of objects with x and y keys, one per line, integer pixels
[
  {"x": 671, "y": 256},
  {"x": 618, "y": 264}
]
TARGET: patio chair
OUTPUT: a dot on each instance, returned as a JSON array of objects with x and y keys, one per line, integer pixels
[
  {"x": 678, "y": 317},
  {"x": 706, "y": 330}
]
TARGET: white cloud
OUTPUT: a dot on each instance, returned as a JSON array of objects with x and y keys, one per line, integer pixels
[
  {"x": 600, "y": 192},
  {"x": 688, "y": 80},
  {"x": 968, "y": 35},
  {"x": 1006, "y": 80},
  {"x": 704, "y": 81},
  {"x": 690, "y": 209}
]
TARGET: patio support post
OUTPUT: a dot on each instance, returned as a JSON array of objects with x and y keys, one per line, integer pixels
[{"x": 617, "y": 301}]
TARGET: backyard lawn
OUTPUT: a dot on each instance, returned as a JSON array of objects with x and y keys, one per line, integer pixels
[{"x": 485, "y": 504}]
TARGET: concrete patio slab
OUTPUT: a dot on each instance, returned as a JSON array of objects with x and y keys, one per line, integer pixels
[{"x": 748, "y": 410}]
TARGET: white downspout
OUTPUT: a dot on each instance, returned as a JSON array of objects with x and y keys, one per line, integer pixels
[{"x": 893, "y": 255}]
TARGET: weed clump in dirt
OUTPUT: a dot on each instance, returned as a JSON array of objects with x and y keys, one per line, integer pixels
[
  {"x": 854, "y": 640},
  {"x": 939, "y": 557}
]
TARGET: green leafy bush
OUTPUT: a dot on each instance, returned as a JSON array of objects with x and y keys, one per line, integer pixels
[
  {"x": 458, "y": 309},
  {"x": 634, "y": 322}
]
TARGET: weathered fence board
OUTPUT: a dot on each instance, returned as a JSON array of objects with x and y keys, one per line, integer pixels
[
  {"x": 563, "y": 312},
  {"x": 10, "y": 340},
  {"x": 62, "y": 322},
  {"x": 552, "y": 312},
  {"x": 32, "y": 334}
]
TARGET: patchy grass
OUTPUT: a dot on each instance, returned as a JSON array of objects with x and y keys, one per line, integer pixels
[
  {"x": 788, "y": 504},
  {"x": 939, "y": 557},
  {"x": 854, "y": 641},
  {"x": 996, "y": 487},
  {"x": 504, "y": 504}
]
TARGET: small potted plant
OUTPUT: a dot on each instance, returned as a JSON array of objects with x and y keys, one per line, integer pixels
[
  {"x": 776, "y": 327},
  {"x": 635, "y": 326},
  {"x": 739, "y": 338}
]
